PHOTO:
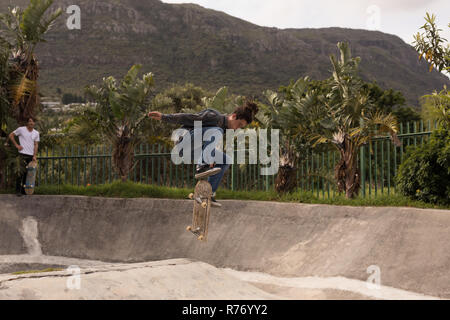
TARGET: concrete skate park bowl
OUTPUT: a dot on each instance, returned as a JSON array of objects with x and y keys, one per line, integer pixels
[{"x": 139, "y": 249}]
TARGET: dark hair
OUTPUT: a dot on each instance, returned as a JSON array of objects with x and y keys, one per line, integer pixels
[
  {"x": 247, "y": 111},
  {"x": 25, "y": 120}
]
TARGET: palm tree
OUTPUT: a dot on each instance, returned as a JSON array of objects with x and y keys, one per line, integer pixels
[
  {"x": 219, "y": 101},
  {"x": 4, "y": 79},
  {"x": 337, "y": 111},
  {"x": 21, "y": 31},
  {"x": 119, "y": 114},
  {"x": 280, "y": 114},
  {"x": 4, "y": 108},
  {"x": 351, "y": 121}
]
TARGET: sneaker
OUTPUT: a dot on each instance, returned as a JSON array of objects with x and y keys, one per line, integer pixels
[
  {"x": 205, "y": 170},
  {"x": 214, "y": 202}
]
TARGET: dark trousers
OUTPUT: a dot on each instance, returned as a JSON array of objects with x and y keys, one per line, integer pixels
[{"x": 22, "y": 177}]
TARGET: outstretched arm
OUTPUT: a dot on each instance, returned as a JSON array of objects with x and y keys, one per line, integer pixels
[{"x": 185, "y": 118}]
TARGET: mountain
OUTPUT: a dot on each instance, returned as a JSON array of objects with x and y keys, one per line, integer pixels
[{"x": 187, "y": 43}]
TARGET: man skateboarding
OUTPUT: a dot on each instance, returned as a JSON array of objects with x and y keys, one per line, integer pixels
[
  {"x": 28, "y": 149},
  {"x": 211, "y": 119}
]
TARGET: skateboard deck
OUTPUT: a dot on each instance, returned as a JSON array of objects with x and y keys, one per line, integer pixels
[
  {"x": 202, "y": 208},
  {"x": 31, "y": 178}
]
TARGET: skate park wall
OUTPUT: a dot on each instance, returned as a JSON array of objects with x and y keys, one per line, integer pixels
[{"x": 409, "y": 247}]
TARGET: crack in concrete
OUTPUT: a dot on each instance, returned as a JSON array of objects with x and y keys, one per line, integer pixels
[{"x": 117, "y": 268}]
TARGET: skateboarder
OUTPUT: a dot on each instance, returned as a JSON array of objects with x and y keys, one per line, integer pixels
[
  {"x": 211, "y": 119},
  {"x": 28, "y": 149}
]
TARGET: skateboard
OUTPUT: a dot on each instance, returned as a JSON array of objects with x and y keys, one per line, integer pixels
[
  {"x": 202, "y": 208},
  {"x": 31, "y": 177}
]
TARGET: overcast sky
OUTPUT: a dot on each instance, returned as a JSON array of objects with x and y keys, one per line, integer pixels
[{"x": 400, "y": 17}]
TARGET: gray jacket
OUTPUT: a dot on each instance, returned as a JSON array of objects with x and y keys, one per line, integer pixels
[{"x": 209, "y": 118}]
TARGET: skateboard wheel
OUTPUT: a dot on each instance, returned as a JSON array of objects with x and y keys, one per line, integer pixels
[
  {"x": 201, "y": 238},
  {"x": 188, "y": 228},
  {"x": 191, "y": 196},
  {"x": 204, "y": 204}
]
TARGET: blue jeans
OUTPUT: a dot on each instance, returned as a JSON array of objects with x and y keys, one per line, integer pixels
[
  {"x": 25, "y": 159},
  {"x": 215, "y": 179}
]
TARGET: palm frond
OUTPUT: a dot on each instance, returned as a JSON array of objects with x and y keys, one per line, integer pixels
[
  {"x": 378, "y": 123},
  {"x": 48, "y": 23},
  {"x": 33, "y": 24},
  {"x": 20, "y": 88},
  {"x": 318, "y": 139}
]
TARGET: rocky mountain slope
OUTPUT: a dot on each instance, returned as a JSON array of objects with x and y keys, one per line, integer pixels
[{"x": 187, "y": 43}]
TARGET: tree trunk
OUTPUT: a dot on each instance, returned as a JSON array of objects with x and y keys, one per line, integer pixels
[
  {"x": 123, "y": 157},
  {"x": 346, "y": 171},
  {"x": 286, "y": 180},
  {"x": 2, "y": 172}
]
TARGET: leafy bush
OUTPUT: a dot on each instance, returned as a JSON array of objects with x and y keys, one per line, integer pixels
[{"x": 425, "y": 172}]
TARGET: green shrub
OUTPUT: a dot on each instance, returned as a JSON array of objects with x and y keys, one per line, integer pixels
[{"x": 425, "y": 173}]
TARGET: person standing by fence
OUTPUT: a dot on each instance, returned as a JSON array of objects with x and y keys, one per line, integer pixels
[{"x": 28, "y": 149}]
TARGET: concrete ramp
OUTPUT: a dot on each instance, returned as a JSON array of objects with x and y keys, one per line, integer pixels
[
  {"x": 403, "y": 248},
  {"x": 173, "y": 279},
  {"x": 182, "y": 279}
]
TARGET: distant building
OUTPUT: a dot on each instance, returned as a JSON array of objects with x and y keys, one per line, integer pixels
[{"x": 51, "y": 104}]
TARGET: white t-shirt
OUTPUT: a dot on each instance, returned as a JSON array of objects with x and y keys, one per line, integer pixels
[{"x": 27, "y": 139}]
